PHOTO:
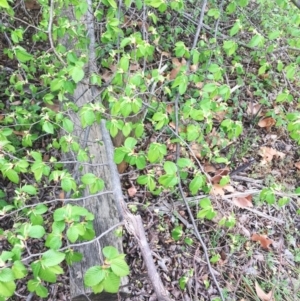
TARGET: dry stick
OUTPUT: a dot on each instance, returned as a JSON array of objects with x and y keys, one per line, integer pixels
[
  {"x": 200, "y": 25},
  {"x": 134, "y": 226}
]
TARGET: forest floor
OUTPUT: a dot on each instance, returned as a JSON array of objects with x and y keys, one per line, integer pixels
[{"x": 255, "y": 256}]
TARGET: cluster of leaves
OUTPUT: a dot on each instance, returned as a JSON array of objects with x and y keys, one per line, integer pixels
[{"x": 205, "y": 119}]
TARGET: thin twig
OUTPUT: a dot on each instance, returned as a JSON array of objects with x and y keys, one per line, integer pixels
[
  {"x": 50, "y": 33},
  {"x": 79, "y": 244}
]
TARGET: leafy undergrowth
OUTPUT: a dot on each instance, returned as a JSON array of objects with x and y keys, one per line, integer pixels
[{"x": 220, "y": 133}]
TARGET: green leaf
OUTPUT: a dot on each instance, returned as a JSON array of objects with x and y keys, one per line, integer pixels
[
  {"x": 94, "y": 275},
  {"x": 51, "y": 258},
  {"x": 110, "y": 252},
  {"x": 111, "y": 283},
  {"x": 47, "y": 275},
  {"x": 41, "y": 291},
  {"x": 72, "y": 234},
  {"x": 168, "y": 180},
  {"x": 68, "y": 125},
  {"x": 4, "y": 4},
  {"x": 22, "y": 55},
  {"x": 119, "y": 267},
  {"x": 60, "y": 214},
  {"x": 170, "y": 167},
  {"x": 196, "y": 184},
  {"x": 119, "y": 155},
  {"x": 130, "y": 142},
  {"x": 29, "y": 189},
  {"x": 54, "y": 241},
  {"x": 7, "y": 289},
  {"x": 19, "y": 270},
  {"x": 48, "y": 127},
  {"x": 77, "y": 74},
  {"x": 88, "y": 178},
  {"x": 205, "y": 203},
  {"x": 184, "y": 162},
  {"x": 12, "y": 176},
  {"x": 36, "y": 231},
  {"x": 67, "y": 184},
  {"x": 6, "y": 275},
  {"x": 73, "y": 257},
  {"x": 40, "y": 209},
  {"x": 177, "y": 233}
]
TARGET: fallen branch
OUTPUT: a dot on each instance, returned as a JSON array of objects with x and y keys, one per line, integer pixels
[{"x": 134, "y": 226}]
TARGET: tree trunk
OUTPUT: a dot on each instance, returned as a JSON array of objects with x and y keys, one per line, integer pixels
[{"x": 103, "y": 207}]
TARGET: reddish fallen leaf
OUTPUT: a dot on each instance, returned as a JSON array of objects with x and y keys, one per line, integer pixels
[
  {"x": 264, "y": 241},
  {"x": 267, "y": 122},
  {"x": 242, "y": 202},
  {"x": 132, "y": 191},
  {"x": 262, "y": 295}
]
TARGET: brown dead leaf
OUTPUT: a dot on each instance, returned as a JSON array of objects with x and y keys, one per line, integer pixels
[
  {"x": 46, "y": 157},
  {"x": 170, "y": 108},
  {"x": 266, "y": 122},
  {"x": 217, "y": 189},
  {"x": 219, "y": 116},
  {"x": 61, "y": 195},
  {"x": 166, "y": 54},
  {"x": 268, "y": 153},
  {"x": 219, "y": 174},
  {"x": 18, "y": 133},
  {"x": 32, "y": 4},
  {"x": 107, "y": 75},
  {"x": 54, "y": 107},
  {"x": 177, "y": 65},
  {"x": 194, "y": 68},
  {"x": 199, "y": 85},
  {"x": 16, "y": 103},
  {"x": 122, "y": 167},
  {"x": 209, "y": 168},
  {"x": 134, "y": 67},
  {"x": 196, "y": 148},
  {"x": 264, "y": 241},
  {"x": 262, "y": 295},
  {"x": 253, "y": 108},
  {"x": 243, "y": 202},
  {"x": 297, "y": 164},
  {"x": 131, "y": 191}
]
